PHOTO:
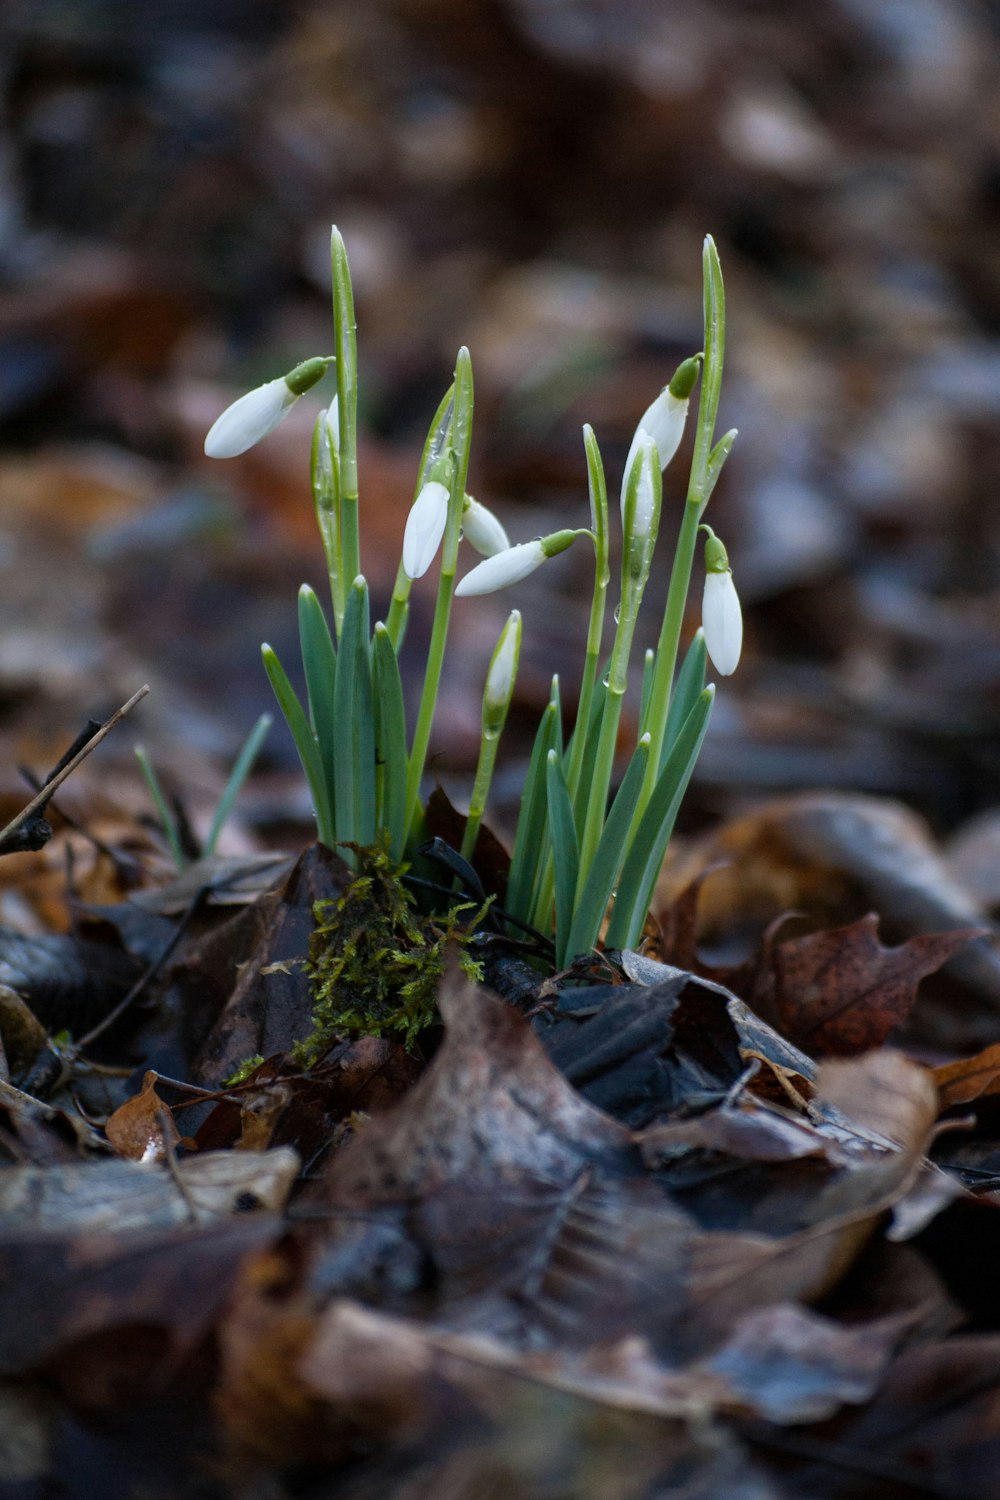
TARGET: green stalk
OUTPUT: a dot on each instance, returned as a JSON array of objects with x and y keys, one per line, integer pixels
[
  {"x": 460, "y": 446},
  {"x": 636, "y": 558},
  {"x": 346, "y": 347},
  {"x": 595, "y": 629},
  {"x": 325, "y": 477},
  {"x": 697, "y": 498}
]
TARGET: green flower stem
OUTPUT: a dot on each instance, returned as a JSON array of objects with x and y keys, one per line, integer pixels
[
  {"x": 591, "y": 664},
  {"x": 399, "y": 608},
  {"x": 345, "y": 341},
  {"x": 325, "y": 475},
  {"x": 595, "y": 628},
  {"x": 697, "y": 498},
  {"x": 480, "y": 793},
  {"x": 461, "y": 444},
  {"x": 597, "y": 792}
]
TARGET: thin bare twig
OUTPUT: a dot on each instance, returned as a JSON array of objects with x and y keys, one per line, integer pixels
[{"x": 44, "y": 796}]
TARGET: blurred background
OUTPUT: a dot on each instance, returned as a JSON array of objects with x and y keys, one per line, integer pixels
[{"x": 533, "y": 178}]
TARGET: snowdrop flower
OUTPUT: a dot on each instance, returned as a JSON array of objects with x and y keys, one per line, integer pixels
[
  {"x": 424, "y": 528},
  {"x": 514, "y": 563},
  {"x": 257, "y": 413},
  {"x": 501, "y": 675},
  {"x": 664, "y": 419},
  {"x": 482, "y": 529},
  {"x": 721, "y": 617}
]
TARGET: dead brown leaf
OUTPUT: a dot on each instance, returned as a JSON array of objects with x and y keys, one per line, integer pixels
[
  {"x": 842, "y": 992},
  {"x": 143, "y": 1129},
  {"x": 969, "y": 1078}
]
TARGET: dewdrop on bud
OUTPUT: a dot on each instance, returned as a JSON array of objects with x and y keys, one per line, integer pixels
[
  {"x": 721, "y": 617},
  {"x": 501, "y": 676},
  {"x": 424, "y": 528},
  {"x": 513, "y": 564},
  {"x": 482, "y": 530},
  {"x": 257, "y": 413},
  {"x": 664, "y": 419}
]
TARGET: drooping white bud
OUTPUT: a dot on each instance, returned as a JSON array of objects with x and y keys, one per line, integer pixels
[
  {"x": 249, "y": 419},
  {"x": 663, "y": 421},
  {"x": 257, "y": 413},
  {"x": 722, "y": 620},
  {"x": 482, "y": 529},
  {"x": 503, "y": 569},
  {"x": 515, "y": 563},
  {"x": 424, "y": 528}
]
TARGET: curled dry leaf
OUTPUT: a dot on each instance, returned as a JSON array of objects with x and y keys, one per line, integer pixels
[{"x": 143, "y": 1129}]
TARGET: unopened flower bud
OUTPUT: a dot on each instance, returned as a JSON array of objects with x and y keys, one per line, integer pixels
[
  {"x": 514, "y": 563},
  {"x": 482, "y": 530},
  {"x": 501, "y": 676},
  {"x": 257, "y": 413},
  {"x": 663, "y": 421},
  {"x": 721, "y": 616},
  {"x": 424, "y": 528}
]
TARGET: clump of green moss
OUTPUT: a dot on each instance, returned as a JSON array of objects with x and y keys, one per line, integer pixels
[
  {"x": 375, "y": 961},
  {"x": 243, "y": 1072}
]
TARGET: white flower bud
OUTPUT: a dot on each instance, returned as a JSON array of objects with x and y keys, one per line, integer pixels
[
  {"x": 424, "y": 528},
  {"x": 482, "y": 530},
  {"x": 663, "y": 421},
  {"x": 503, "y": 569},
  {"x": 249, "y": 419},
  {"x": 643, "y": 513},
  {"x": 722, "y": 621},
  {"x": 501, "y": 675}
]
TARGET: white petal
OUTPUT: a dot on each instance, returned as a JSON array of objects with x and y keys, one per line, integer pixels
[
  {"x": 722, "y": 620},
  {"x": 504, "y": 568},
  {"x": 664, "y": 422},
  {"x": 424, "y": 528},
  {"x": 249, "y": 419},
  {"x": 483, "y": 531}
]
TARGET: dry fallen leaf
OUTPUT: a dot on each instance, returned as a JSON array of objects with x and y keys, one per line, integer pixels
[{"x": 143, "y": 1129}]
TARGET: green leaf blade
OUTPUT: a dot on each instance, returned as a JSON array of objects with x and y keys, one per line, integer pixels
[
  {"x": 354, "y": 724},
  {"x": 390, "y": 741},
  {"x": 565, "y": 850}
]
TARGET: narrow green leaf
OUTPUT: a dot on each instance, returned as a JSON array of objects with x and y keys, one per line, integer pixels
[
  {"x": 319, "y": 662},
  {"x": 390, "y": 741},
  {"x": 642, "y": 867},
  {"x": 565, "y": 850},
  {"x": 241, "y": 770},
  {"x": 305, "y": 742},
  {"x": 530, "y": 834},
  {"x": 592, "y": 732},
  {"x": 163, "y": 808},
  {"x": 608, "y": 856},
  {"x": 689, "y": 685},
  {"x": 354, "y": 724}
]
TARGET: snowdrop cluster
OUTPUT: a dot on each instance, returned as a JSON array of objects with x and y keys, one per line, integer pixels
[{"x": 574, "y": 857}]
